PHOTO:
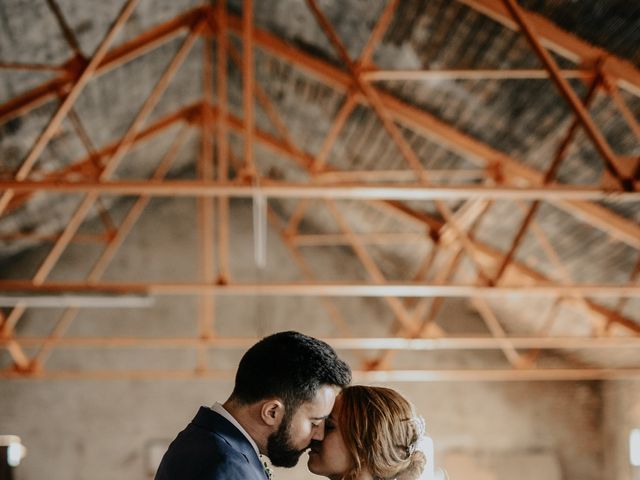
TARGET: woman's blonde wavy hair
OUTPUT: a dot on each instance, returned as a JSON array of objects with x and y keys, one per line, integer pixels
[{"x": 377, "y": 428}]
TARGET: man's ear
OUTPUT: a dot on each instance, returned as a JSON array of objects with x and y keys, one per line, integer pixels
[{"x": 272, "y": 412}]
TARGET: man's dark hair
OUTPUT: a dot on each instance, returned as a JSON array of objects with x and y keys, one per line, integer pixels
[{"x": 290, "y": 366}]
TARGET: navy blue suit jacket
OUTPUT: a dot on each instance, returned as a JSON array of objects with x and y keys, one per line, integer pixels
[{"x": 210, "y": 448}]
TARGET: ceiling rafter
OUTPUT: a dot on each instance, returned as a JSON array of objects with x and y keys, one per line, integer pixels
[
  {"x": 412, "y": 117},
  {"x": 564, "y": 43},
  {"x": 214, "y": 120},
  {"x": 449, "y": 137},
  {"x": 69, "y": 99},
  {"x": 613, "y": 164},
  {"x": 123, "y": 146}
]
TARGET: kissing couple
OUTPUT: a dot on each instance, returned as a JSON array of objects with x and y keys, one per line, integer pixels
[{"x": 292, "y": 395}]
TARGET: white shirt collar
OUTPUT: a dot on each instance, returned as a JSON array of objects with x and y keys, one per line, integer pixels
[{"x": 219, "y": 409}]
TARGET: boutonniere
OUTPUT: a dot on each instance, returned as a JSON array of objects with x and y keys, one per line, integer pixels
[{"x": 267, "y": 470}]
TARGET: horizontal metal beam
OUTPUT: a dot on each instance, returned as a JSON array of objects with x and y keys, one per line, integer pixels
[
  {"x": 500, "y": 74},
  {"x": 33, "y": 67},
  {"x": 328, "y": 289},
  {"x": 408, "y": 176},
  {"x": 275, "y": 189},
  {"x": 498, "y": 375},
  {"x": 460, "y": 375},
  {"x": 85, "y": 301},
  {"x": 379, "y": 238},
  {"x": 408, "y": 344}
]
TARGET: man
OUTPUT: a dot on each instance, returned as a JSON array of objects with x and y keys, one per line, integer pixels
[{"x": 285, "y": 388}]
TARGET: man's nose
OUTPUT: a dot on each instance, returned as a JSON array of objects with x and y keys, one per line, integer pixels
[{"x": 318, "y": 433}]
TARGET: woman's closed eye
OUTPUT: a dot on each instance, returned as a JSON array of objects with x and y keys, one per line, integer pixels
[{"x": 329, "y": 425}]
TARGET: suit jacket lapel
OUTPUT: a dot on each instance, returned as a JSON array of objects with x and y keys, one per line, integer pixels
[{"x": 217, "y": 424}]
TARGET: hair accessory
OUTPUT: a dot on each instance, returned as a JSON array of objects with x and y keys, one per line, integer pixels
[
  {"x": 424, "y": 444},
  {"x": 421, "y": 429}
]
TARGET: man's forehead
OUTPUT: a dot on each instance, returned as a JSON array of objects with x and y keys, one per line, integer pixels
[{"x": 322, "y": 402}]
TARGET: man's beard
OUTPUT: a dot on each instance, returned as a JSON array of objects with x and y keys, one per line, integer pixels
[{"x": 279, "y": 448}]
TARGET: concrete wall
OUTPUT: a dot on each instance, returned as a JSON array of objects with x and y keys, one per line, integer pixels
[
  {"x": 621, "y": 407},
  {"x": 103, "y": 429}
]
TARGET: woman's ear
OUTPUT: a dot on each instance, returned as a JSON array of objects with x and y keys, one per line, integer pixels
[{"x": 272, "y": 412}]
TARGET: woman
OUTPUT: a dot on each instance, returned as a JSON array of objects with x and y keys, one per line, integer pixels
[{"x": 372, "y": 433}]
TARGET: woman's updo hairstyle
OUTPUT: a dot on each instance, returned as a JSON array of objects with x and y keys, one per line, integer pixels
[{"x": 380, "y": 431}]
